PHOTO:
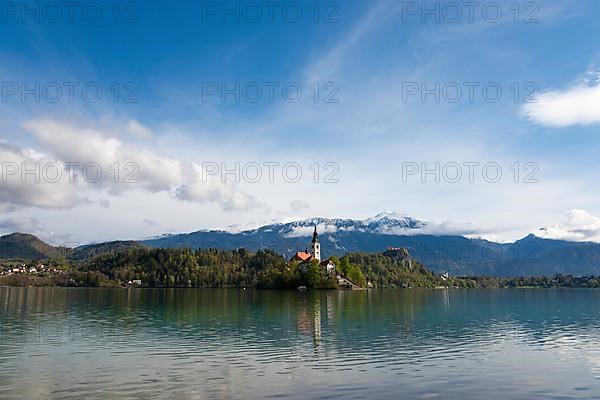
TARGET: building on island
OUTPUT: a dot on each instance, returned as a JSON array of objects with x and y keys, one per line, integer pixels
[{"x": 304, "y": 258}]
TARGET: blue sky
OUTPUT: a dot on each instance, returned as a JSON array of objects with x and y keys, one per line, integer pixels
[{"x": 366, "y": 58}]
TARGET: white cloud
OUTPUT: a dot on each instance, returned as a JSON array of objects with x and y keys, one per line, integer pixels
[
  {"x": 580, "y": 226},
  {"x": 577, "y": 105},
  {"x": 390, "y": 225},
  {"x": 138, "y": 130},
  {"x": 20, "y": 188},
  {"x": 448, "y": 228},
  {"x": 329, "y": 64},
  {"x": 25, "y": 225},
  {"x": 298, "y": 205},
  {"x": 85, "y": 145},
  {"x": 196, "y": 189},
  {"x": 138, "y": 169},
  {"x": 306, "y": 231},
  {"x": 34, "y": 226}
]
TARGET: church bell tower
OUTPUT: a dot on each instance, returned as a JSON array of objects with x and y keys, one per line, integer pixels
[{"x": 315, "y": 246}]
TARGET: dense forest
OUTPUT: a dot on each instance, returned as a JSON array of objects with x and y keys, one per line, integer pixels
[
  {"x": 556, "y": 281},
  {"x": 394, "y": 269},
  {"x": 239, "y": 268},
  {"x": 221, "y": 268},
  {"x": 264, "y": 269}
]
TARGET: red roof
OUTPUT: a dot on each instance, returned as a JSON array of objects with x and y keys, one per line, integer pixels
[{"x": 301, "y": 256}]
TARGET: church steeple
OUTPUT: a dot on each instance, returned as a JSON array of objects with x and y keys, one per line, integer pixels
[
  {"x": 315, "y": 246},
  {"x": 315, "y": 238}
]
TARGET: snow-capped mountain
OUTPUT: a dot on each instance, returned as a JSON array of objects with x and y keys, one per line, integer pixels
[
  {"x": 383, "y": 223},
  {"x": 341, "y": 235},
  {"x": 441, "y": 247}
]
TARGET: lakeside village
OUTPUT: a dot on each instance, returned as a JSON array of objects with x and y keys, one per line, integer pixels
[
  {"x": 40, "y": 269},
  {"x": 12, "y": 268},
  {"x": 9, "y": 268}
]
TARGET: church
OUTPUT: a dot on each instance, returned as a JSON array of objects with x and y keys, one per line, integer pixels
[{"x": 304, "y": 258}]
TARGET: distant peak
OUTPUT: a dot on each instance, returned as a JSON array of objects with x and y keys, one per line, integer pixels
[
  {"x": 531, "y": 236},
  {"x": 389, "y": 215}
]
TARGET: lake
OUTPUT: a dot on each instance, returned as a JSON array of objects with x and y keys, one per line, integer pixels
[{"x": 246, "y": 344}]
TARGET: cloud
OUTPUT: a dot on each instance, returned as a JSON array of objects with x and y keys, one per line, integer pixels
[
  {"x": 138, "y": 130},
  {"x": 383, "y": 224},
  {"x": 577, "y": 105},
  {"x": 580, "y": 226},
  {"x": 433, "y": 228},
  {"x": 10, "y": 225},
  {"x": 201, "y": 190},
  {"x": 306, "y": 231},
  {"x": 329, "y": 64},
  {"x": 449, "y": 228},
  {"x": 34, "y": 227},
  {"x": 123, "y": 168},
  {"x": 84, "y": 146},
  {"x": 298, "y": 205},
  {"x": 23, "y": 189}
]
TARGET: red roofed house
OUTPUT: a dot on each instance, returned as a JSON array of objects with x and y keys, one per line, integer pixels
[{"x": 301, "y": 256}]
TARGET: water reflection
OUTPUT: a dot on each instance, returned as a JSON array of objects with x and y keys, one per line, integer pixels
[{"x": 137, "y": 343}]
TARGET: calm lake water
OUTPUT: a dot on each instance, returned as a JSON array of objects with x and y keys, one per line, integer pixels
[{"x": 230, "y": 344}]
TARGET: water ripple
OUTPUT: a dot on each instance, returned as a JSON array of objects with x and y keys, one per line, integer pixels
[{"x": 203, "y": 344}]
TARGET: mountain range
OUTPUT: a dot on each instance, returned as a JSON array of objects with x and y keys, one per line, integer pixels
[{"x": 458, "y": 255}]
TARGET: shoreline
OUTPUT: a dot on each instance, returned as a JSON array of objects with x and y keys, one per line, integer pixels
[{"x": 307, "y": 291}]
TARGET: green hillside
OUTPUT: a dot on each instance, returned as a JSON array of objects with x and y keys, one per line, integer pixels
[
  {"x": 22, "y": 246},
  {"x": 90, "y": 251}
]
